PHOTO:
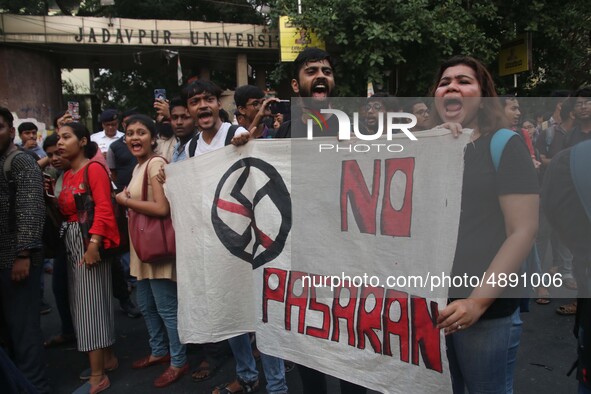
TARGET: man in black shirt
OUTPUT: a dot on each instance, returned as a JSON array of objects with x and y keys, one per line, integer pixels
[
  {"x": 582, "y": 129},
  {"x": 314, "y": 78}
]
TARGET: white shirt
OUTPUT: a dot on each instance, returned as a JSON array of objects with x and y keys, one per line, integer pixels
[
  {"x": 217, "y": 142},
  {"x": 103, "y": 141}
]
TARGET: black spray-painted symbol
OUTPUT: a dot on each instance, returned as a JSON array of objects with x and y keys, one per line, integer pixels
[{"x": 275, "y": 189}]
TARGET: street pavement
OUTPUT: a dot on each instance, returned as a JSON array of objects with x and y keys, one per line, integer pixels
[{"x": 546, "y": 353}]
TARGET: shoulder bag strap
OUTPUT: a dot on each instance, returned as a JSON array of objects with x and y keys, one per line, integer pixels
[{"x": 146, "y": 180}]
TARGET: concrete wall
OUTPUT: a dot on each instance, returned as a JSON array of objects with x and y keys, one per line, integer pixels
[{"x": 30, "y": 84}]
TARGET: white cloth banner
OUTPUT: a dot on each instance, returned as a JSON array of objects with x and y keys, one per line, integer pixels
[{"x": 332, "y": 255}]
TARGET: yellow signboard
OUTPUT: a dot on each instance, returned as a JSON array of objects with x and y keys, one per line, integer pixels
[
  {"x": 293, "y": 40},
  {"x": 515, "y": 56}
]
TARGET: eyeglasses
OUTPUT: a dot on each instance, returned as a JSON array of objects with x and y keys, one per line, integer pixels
[
  {"x": 531, "y": 126},
  {"x": 375, "y": 106},
  {"x": 255, "y": 103},
  {"x": 580, "y": 104},
  {"x": 422, "y": 112}
]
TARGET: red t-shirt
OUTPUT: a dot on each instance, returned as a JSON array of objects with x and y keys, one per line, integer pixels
[{"x": 104, "y": 223}]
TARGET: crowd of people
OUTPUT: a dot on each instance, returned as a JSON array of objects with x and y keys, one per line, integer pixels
[{"x": 125, "y": 170}]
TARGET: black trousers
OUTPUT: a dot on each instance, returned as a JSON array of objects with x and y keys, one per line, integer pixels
[{"x": 21, "y": 310}]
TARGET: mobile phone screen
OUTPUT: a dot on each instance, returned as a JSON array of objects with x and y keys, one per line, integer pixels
[{"x": 159, "y": 94}]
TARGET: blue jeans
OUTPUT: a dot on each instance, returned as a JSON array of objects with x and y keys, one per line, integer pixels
[
  {"x": 482, "y": 358},
  {"x": 124, "y": 260},
  {"x": 246, "y": 367},
  {"x": 157, "y": 299}
]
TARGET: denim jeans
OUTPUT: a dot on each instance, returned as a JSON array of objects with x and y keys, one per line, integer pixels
[
  {"x": 124, "y": 260},
  {"x": 157, "y": 299},
  {"x": 482, "y": 358},
  {"x": 246, "y": 367}
]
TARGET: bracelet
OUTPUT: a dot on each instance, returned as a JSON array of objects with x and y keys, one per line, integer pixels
[{"x": 94, "y": 241}]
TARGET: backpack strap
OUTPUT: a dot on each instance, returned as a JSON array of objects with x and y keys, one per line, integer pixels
[
  {"x": 497, "y": 145},
  {"x": 7, "y": 172},
  {"x": 228, "y": 140},
  {"x": 580, "y": 164},
  {"x": 87, "y": 184},
  {"x": 550, "y": 132},
  {"x": 193, "y": 145},
  {"x": 231, "y": 133}
]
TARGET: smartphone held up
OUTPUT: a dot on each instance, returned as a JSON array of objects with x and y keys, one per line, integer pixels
[
  {"x": 74, "y": 110},
  {"x": 160, "y": 94},
  {"x": 280, "y": 107}
]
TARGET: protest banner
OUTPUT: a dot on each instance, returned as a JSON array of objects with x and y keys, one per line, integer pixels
[{"x": 264, "y": 231}]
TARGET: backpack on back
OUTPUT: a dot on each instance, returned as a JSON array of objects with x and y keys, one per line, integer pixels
[{"x": 228, "y": 140}]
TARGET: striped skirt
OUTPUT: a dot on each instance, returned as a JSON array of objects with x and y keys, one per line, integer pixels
[{"x": 91, "y": 295}]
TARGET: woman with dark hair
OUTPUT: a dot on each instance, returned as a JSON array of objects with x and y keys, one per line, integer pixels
[
  {"x": 89, "y": 273},
  {"x": 498, "y": 224},
  {"x": 156, "y": 283}
]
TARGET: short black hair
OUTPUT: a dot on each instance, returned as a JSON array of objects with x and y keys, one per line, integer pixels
[
  {"x": 7, "y": 115},
  {"x": 507, "y": 97},
  {"x": 50, "y": 141},
  {"x": 391, "y": 103},
  {"x": 130, "y": 112},
  {"x": 177, "y": 102},
  {"x": 409, "y": 106},
  {"x": 309, "y": 55},
  {"x": 583, "y": 92},
  {"x": 567, "y": 107},
  {"x": 246, "y": 92},
  {"x": 26, "y": 126},
  {"x": 199, "y": 87},
  {"x": 224, "y": 116}
]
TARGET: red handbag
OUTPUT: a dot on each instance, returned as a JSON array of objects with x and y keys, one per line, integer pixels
[{"x": 152, "y": 236}]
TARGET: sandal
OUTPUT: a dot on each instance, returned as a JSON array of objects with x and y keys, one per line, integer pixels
[
  {"x": 209, "y": 367},
  {"x": 237, "y": 386},
  {"x": 567, "y": 310},
  {"x": 58, "y": 340},
  {"x": 543, "y": 296}
]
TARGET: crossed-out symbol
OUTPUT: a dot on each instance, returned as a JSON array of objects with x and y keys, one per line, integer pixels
[{"x": 275, "y": 189}]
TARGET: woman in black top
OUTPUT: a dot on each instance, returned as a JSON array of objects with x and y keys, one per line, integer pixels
[{"x": 498, "y": 224}]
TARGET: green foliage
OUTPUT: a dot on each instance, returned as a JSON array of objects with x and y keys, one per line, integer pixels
[
  {"x": 135, "y": 88},
  {"x": 396, "y": 43},
  {"x": 409, "y": 38}
]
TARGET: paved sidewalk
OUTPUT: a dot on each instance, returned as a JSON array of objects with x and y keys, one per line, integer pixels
[{"x": 547, "y": 351}]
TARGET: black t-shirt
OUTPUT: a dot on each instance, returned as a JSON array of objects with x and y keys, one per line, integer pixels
[
  {"x": 576, "y": 136},
  {"x": 482, "y": 225},
  {"x": 125, "y": 162}
]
